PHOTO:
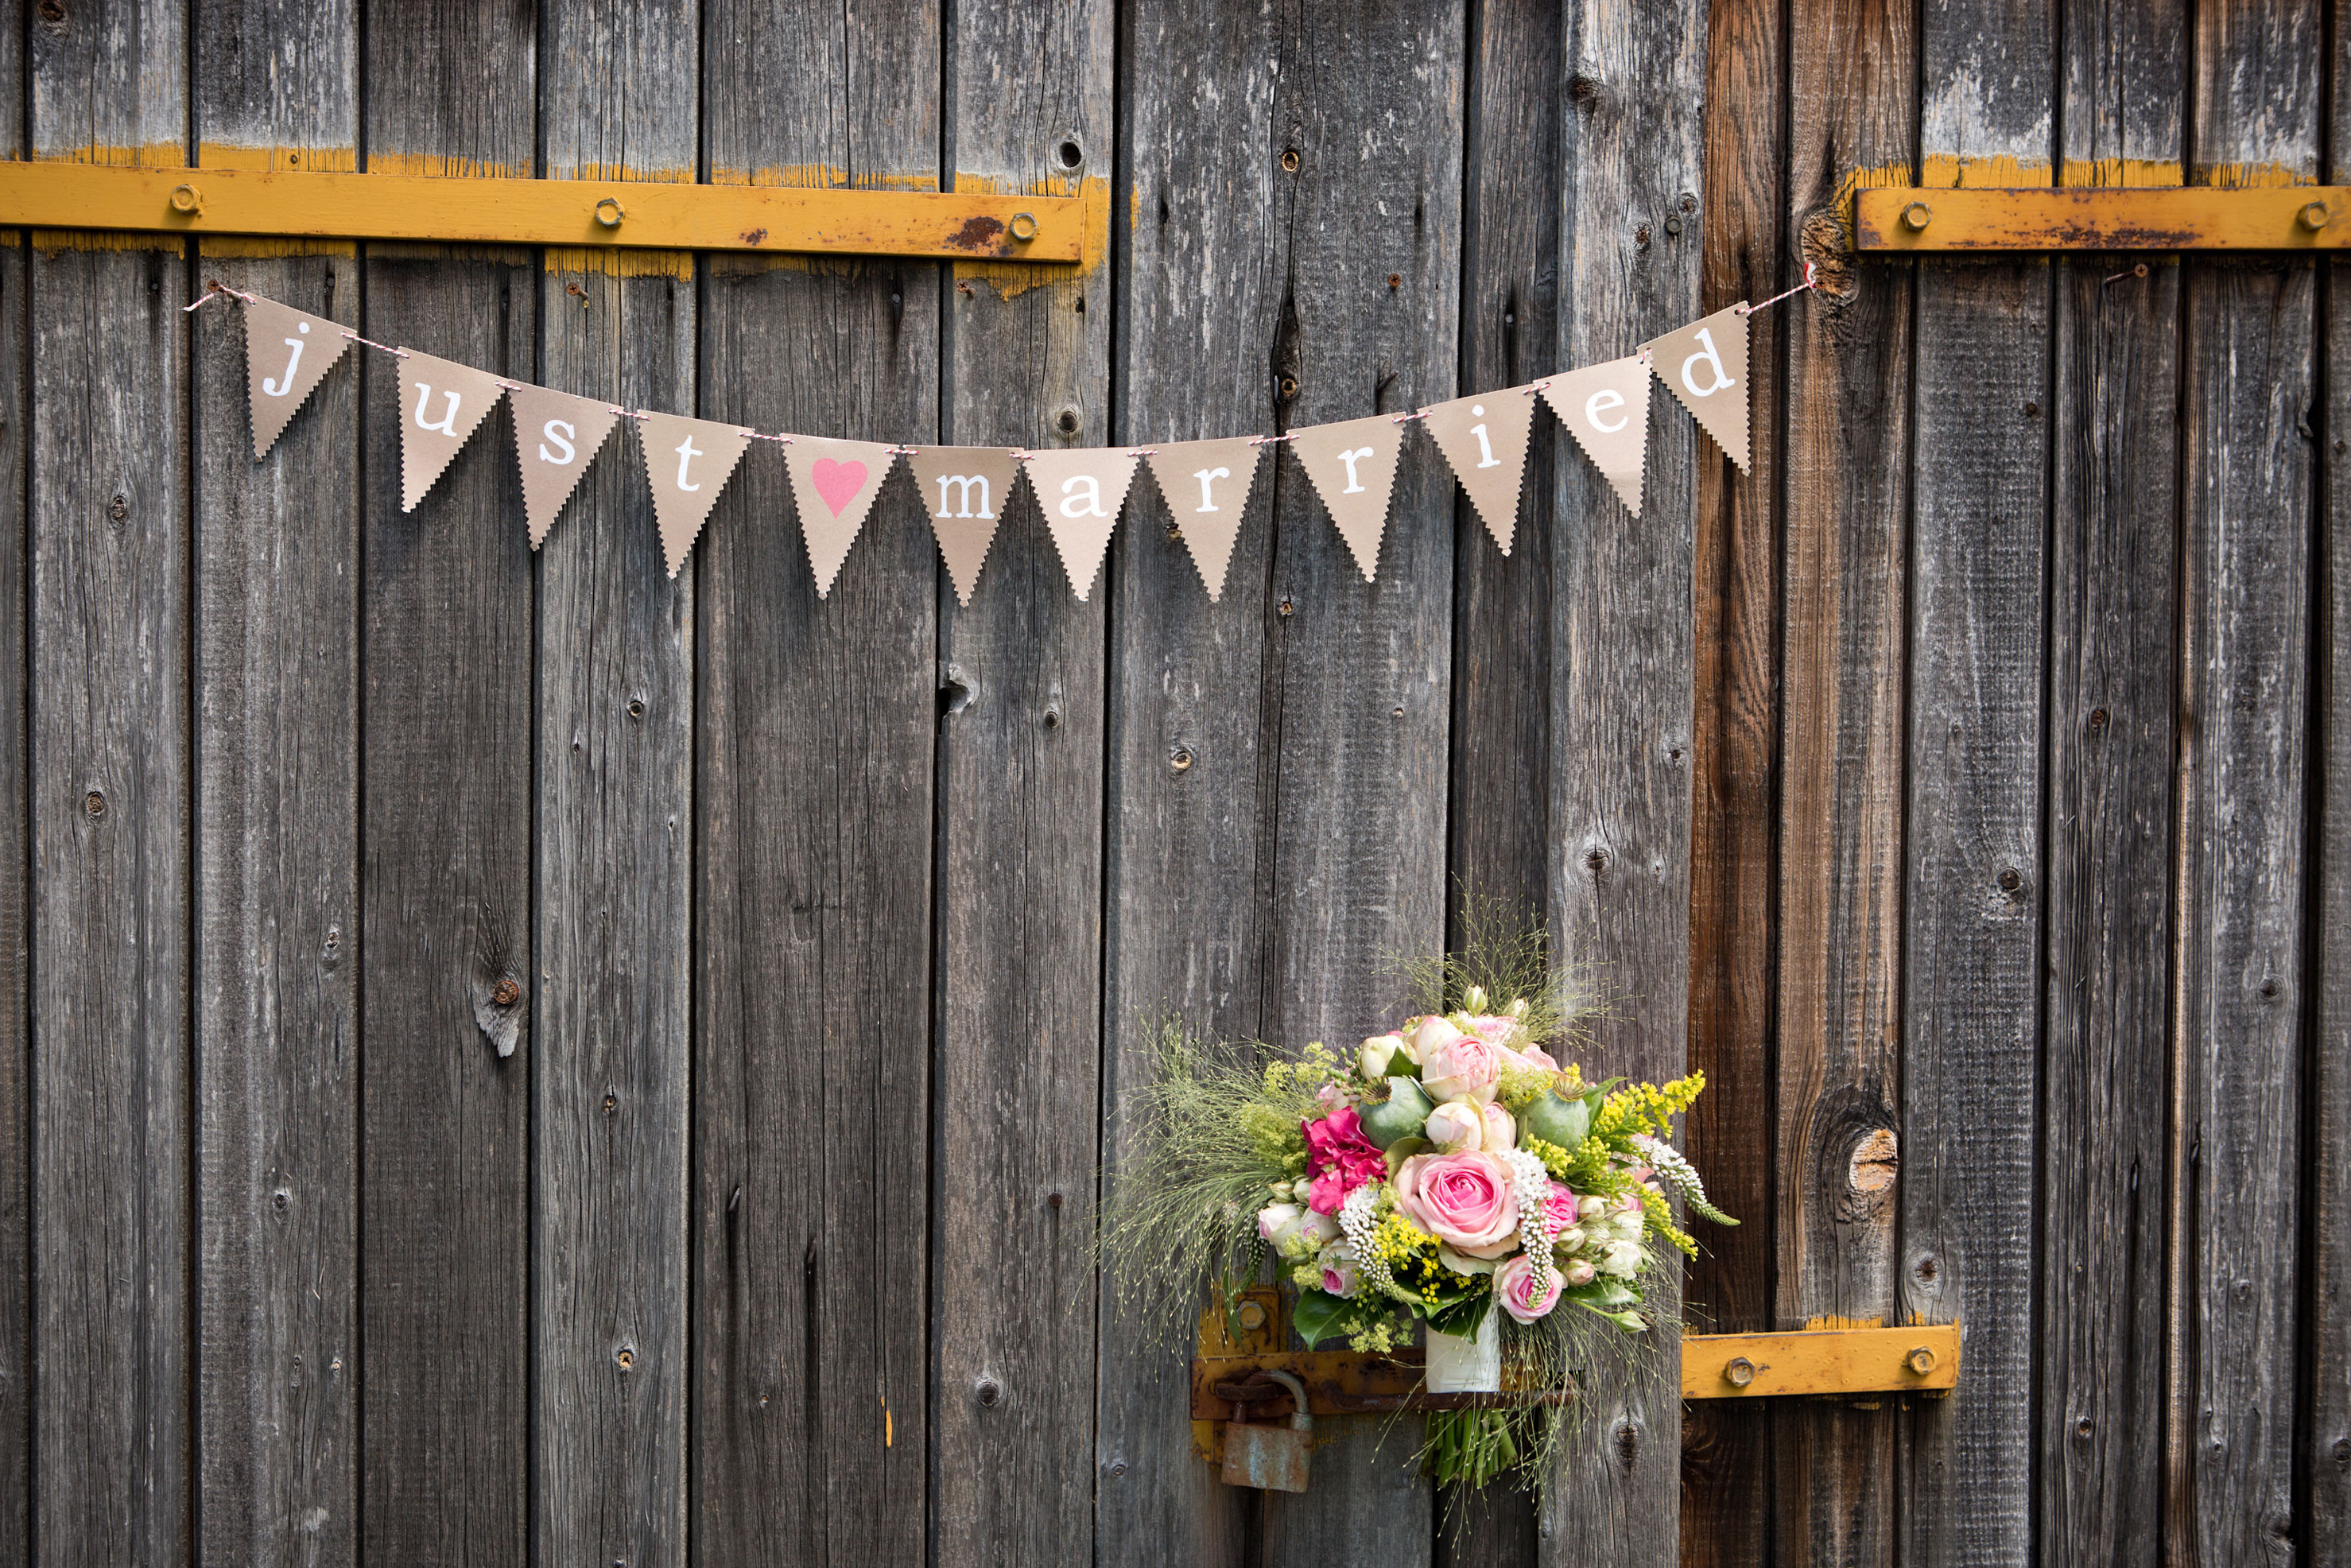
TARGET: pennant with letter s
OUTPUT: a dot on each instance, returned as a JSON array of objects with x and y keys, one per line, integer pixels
[{"x": 557, "y": 435}]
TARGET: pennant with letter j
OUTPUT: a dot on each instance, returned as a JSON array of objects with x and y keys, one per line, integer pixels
[
  {"x": 688, "y": 462},
  {"x": 288, "y": 352}
]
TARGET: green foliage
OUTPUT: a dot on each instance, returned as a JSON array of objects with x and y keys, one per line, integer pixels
[{"x": 1507, "y": 954}]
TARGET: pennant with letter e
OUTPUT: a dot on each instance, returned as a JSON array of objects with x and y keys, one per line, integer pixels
[
  {"x": 1207, "y": 488},
  {"x": 964, "y": 491},
  {"x": 1606, "y": 409},
  {"x": 557, "y": 435},
  {"x": 442, "y": 404},
  {"x": 834, "y": 484},
  {"x": 1705, "y": 364},
  {"x": 1080, "y": 492},
  {"x": 688, "y": 462},
  {"x": 1353, "y": 465},
  {"x": 1485, "y": 440},
  {"x": 288, "y": 352}
]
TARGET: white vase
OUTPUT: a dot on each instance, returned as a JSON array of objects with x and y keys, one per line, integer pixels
[{"x": 1458, "y": 1366}]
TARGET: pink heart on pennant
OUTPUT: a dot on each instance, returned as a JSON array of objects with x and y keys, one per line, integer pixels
[{"x": 837, "y": 482}]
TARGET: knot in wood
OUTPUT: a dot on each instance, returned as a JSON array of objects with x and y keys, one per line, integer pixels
[
  {"x": 505, "y": 993},
  {"x": 94, "y": 803},
  {"x": 1289, "y": 160},
  {"x": 988, "y": 1392},
  {"x": 1876, "y": 1159}
]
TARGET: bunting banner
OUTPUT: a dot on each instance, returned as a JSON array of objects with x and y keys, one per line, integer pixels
[{"x": 1080, "y": 492}]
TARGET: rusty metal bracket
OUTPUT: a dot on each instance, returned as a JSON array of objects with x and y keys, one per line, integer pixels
[
  {"x": 2104, "y": 217},
  {"x": 596, "y": 214}
]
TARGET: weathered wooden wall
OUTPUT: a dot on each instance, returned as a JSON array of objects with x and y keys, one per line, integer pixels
[{"x": 509, "y": 1057}]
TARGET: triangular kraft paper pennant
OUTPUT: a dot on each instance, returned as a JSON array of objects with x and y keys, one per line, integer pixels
[
  {"x": 687, "y": 463},
  {"x": 288, "y": 352},
  {"x": 1353, "y": 465},
  {"x": 1485, "y": 440},
  {"x": 557, "y": 435},
  {"x": 834, "y": 484},
  {"x": 442, "y": 404},
  {"x": 1080, "y": 492},
  {"x": 1606, "y": 409},
  {"x": 1705, "y": 364},
  {"x": 964, "y": 491},
  {"x": 1207, "y": 488}
]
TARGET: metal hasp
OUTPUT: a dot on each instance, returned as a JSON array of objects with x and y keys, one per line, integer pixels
[
  {"x": 1271, "y": 1459},
  {"x": 1918, "y": 1360},
  {"x": 2104, "y": 217},
  {"x": 597, "y": 215}
]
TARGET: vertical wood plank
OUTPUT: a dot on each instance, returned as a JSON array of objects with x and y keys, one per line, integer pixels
[
  {"x": 2112, "y": 660},
  {"x": 2237, "y": 1012},
  {"x": 810, "y": 1434},
  {"x": 614, "y": 833},
  {"x": 277, "y": 547},
  {"x": 1027, "y": 363},
  {"x": 16, "y": 931},
  {"x": 1727, "y": 1473},
  {"x": 1972, "y": 950},
  {"x": 109, "y": 785},
  {"x": 444, "y": 876},
  {"x": 1853, "y": 69}
]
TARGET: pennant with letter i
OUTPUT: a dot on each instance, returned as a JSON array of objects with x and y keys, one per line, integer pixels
[
  {"x": 1207, "y": 487},
  {"x": 688, "y": 462},
  {"x": 834, "y": 484},
  {"x": 1353, "y": 465},
  {"x": 1705, "y": 363},
  {"x": 557, "y": 435},
  {"x": 1485, "y": 440},
  {"x": 1606, "y": 409},
  {"x": 442, "y": 404},
  {"x": 1080, "y": 492},
  {"x": 288, "y": 352},
  {"x": 964, "y": 491}
]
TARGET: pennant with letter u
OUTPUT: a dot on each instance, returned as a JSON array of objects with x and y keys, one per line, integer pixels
[
  {"x": 1353, "y": 465},
  {"x": 300, "y": 349},
  {"x": 1705, "y": 364},
  {"x": 442, "y": 404},
  {"x": 688, "y": 462}
]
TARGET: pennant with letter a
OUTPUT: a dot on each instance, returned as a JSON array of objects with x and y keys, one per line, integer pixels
[
  {"x": 1080, "y": 492},
  {"x": 964, "y": 491},
  {"x": 442, "y": 404},
  {"x": 1485, "y": 440},
  {"x": 834, "y": 484},
  {"x": 1353, "y": 465},
  {"x": 1606, "y": 409},
  {"x": 1705, "y": 363},
  {"x": 688, "y": 462},
  {"x": 557, "y": 435},
  {"x": 288, "y": 352},
  {"x": 1207, "y": 487}
]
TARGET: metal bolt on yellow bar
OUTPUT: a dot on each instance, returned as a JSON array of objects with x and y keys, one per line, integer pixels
[
  {"x": 592, "y": 214},
  {"x": 1821, "y": 1361},
  {"x": 2103, "y": 217}
]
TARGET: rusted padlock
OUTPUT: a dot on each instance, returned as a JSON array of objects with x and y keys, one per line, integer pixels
[{"x": 1273, "y": 1458}]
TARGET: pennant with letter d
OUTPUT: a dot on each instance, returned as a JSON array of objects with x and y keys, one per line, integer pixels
[
  {"x": 442, "y": 404},
  {"x": 834, "y": 484},
  {"x": 1353, "y": 465},
  {"x": 688, "y": 462},
  {"x": 1080, "y": 492},
  {"x": 1485, "y": 440},
  {"x": 1207, "y": 487},
  {"x": 1705, "y": 364},
  {"x": 1606, "y": 409},
  {"x": 288, "y": 352},
  {"x": 557, "y": 435}
]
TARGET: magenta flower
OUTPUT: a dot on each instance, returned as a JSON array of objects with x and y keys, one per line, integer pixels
[{"x": 1339, "y": 1159}]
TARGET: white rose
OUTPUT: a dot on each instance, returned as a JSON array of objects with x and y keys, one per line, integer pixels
[
  {"x": 1623, "y": 1260},
  {"x": 1457, "y": 1127}
]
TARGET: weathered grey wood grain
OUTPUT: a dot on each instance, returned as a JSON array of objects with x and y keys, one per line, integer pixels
[
  {"x": 276, "y": 714},
  {"x": 110, "y": 786},
  {"x": 1853, "y": 72},
  {"x": 15, "y": 932},
  {"x": 811, "y": 1417},
  {"x": 1727, "y": 1473},
  {"x": 2248, "y": 490},
  {"x": 614, "y": 831},
  {"x": 1972, "y": 952},
  {"x": 446, "y": 867},
  {"x": 1019, "y": 825},
  {"x": 2113, "y": 664}
]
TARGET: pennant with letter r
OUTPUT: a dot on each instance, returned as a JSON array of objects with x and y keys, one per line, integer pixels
[
  {"x": 1353, "y": 465},
  {"x": 1207, "y": 488}
]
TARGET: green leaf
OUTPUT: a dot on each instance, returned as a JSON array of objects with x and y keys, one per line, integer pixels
[
  {"x": 1317, "y": 1314},
  {"x": 1604, "y": 1293},
  {"x": 1464, "y": 1318}
]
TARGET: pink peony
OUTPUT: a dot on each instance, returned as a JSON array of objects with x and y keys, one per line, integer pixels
[
  {"x": 1561, "y": 1208},
  {"x": 1339, "y": 1159},
  {"x": 1462, "y": 1065},
  {"x": 1515, "y": 1287},
  {"x": 1462, "y": 1199}
]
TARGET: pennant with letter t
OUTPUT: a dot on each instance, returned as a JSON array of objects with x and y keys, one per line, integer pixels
[
  {"x": 1485, "y": 440},
  {"x": 1705, "y": 363},
  {"x": 1606, "y": 409},
  {"x": 1207, "y": 487},
  {"x": 288, "y": 352},
  {"x": 1353, "y": 465},
  {"x": 1080, "y": 492},
  {"x": 688, "y": 462},
  {"x": 442, "y": 404},
  {"x": 964, "y": 491},
  {"x": 834, "y": 483},
  {"x": 557, "y": 435}
]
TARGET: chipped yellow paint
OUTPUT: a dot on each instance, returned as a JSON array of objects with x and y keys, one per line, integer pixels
[
  {"x": 2155, "y": 171},
  {"x": 1838, "y": 1358},
  {"x": 2012, "y": 221},
  {"x": 1951, "y": 172},
  {"x": 293, "y": 160},
  {"x": 257, "y": 247},
  {"x": 621, "y": 263},
  {"x": 436, "y": 166},
  {"x": 822, "y": 177},
  {"x": 153, "y": 155},
  {"x": 1010, "y": 279},
  {"x": 50, "y": 241}
]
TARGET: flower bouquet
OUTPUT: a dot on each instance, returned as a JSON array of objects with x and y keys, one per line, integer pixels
[{"x": 1441, "y": 1171}]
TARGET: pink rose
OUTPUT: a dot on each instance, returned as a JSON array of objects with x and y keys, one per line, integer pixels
[
  {"x": 1338, "y": 1158},
  {"x": 1561, "y": 1208},
  {"x": 1457, "y": 1127},
  {"x": 1340, "y": 1276},
  {"x": 1517, "y": 1287},
  {"x": 1462, "y": 1065},
  {"x": 1461, "y": 1199},
  {"x": 1501, "y": 1131},
  {"x": 1533, "y": 1056},
  {"x": 1580, "y": 1273}
]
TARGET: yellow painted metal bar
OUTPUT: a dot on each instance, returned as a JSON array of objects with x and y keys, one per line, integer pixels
[
  {"x": 1820, "y": 1361},
  {"x": 2104, "y": 217},
  {"x": 592, "y": 214}
]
